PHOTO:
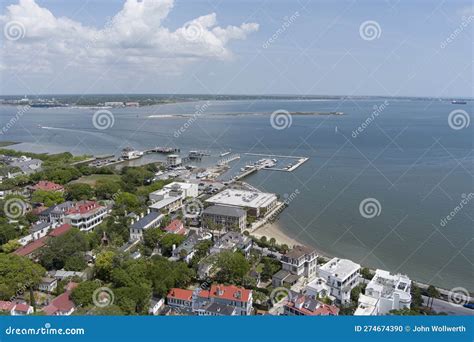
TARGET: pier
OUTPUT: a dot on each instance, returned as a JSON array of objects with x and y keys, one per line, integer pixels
[
  {"x": 162, "y": 149},
  {"x": 227, "y": 160}
]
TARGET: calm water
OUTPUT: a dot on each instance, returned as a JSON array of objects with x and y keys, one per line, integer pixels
[{"x": 408, "y": 158}]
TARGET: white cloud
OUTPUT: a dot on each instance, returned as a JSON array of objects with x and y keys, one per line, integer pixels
[{"x": 134, "y": 39}]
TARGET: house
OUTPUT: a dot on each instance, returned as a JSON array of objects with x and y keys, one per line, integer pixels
[
  {"x": 186, "y": 250},
  {"x": 151, "y": 220},
  {"x": 47, "y": 186},
  {"x": 6, "y": 306},
  {"x": 62, "y": 305},
  {"x": 62, "y": 274},
  {"x": 229, "y": 300},
  {"x": 229, "y": 218},
  {"x": 29, "y": 249},
  {"x": 180, "y": 298},
  {"x": 167, "y": 204},
  {"x": 238, "y": 297},
  {"x": 300, "y": 261},
  {"x": 175, "y": 227},
  {"x": 86, "y": 215},
  {"x": 385, "y": 292},
  {"x": 155, "y": 305},
  {"x": 232, "y": 241},
  {"x": 48, "y": 284},
  {"x": 302, "y": 305},
  {"x": 318, "y": 288},
  {"x": 56, "y": 213},
  {"x": 341, "y": 275},
  {"x": 37, "y": 231},
  {"x": 21, "y": 309},
  {"x": 186, "y": 190},
  {"x": 256, "y": 203},
  {"x": 26, "y": 165}
]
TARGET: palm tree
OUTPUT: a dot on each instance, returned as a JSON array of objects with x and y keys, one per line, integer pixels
[{"x": 432, "y": 293}]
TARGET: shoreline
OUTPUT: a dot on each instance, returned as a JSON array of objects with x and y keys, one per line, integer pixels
[{"x": 273, "y": 230}]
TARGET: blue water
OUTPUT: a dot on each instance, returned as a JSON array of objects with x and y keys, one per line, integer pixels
[{"x": 408, "y": 158}]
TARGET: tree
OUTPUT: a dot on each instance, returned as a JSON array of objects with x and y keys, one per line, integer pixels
[
  {"x": 416, "y": 297},
  {"x": 151, "y": 237},
  {"x": 272, "y": 242},
  {"x": 104, "y": 264},
  {"x": 82, "y": 295},
  {"x": 432, "y": 293},
  {"x": 17, "y": 275},
  {"x": 366, "y": 273},
  {"x": 48, "y": 198},
  {"x": 10, "y": 246},
  {"x": 79, "y": 191},
  {"x": 263, "y": 239},
  {"x": 270, "y": 267},
  {"x": 58, "y": 250},
  {"x": 168, "y": 241},
  {"x": 128, "y": 202},
  {"x": 232, "y": 267},
  {"x": 106, "y": 188},
  {"x": 7, "y": 231}
]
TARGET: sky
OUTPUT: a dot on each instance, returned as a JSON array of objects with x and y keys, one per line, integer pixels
[{"x": 301, "y": 47}]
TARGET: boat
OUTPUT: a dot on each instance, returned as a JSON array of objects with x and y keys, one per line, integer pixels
[
  {"x": 458, "y": 102},
  {"x": 223, "y": 154},
  {"x": 129, "y": 153}
]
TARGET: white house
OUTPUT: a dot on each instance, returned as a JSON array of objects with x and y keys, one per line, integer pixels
[
  {"x": 341, "y": 275},
  {"x": 385, "y": 292}
]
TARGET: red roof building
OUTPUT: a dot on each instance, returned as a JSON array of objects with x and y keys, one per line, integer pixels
[
  {"x": 86, "y": 215},
  {"x": 48, "y": 186},
  {"x": 28, "y": 249},
  {"x": 301, "y": 305},
  {"x": 175, "y": 227},
  {"x": 6, "y": 305},
  {"x": 62, "y": 305}
]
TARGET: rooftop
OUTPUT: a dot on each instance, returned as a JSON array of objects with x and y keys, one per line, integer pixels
[
  {"x": 340, "y": 268},
  {"x": 147, "y": 220},
  {"x": 224, "y": 211},
  {"x": 48, "y": 186},
  {"x": 299, "y": 251},
  {"x": 230, "y": 292},
  {"x": 164, "y": 202},
  {"x": 310, "y": 306},
  {"x": 243, "y": 198}
]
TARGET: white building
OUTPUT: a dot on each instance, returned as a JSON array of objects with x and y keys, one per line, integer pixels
[
  {"x": 385, "y": 292},
  {"x": 150, "y": 220},
  {"x": 173, "y": 160},
  {"x": 175, "y": 189},
  {"x": 257, "y": 203},
  {"x": 341, "y": 275}
]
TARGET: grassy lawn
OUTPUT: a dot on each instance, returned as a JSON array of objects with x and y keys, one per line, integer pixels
[{"x": 92, "y": 179}]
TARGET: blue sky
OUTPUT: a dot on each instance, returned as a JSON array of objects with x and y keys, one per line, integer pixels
[{"x": 320, "y": 50}]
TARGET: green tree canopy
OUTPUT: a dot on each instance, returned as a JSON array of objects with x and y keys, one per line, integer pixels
[{"x": 17, "y": 274}]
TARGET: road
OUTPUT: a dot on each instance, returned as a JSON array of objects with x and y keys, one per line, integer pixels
[{"x": 443, "y": 306}]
